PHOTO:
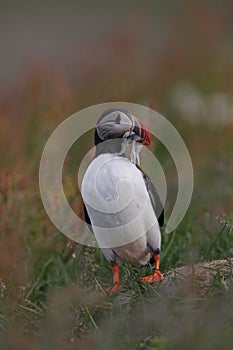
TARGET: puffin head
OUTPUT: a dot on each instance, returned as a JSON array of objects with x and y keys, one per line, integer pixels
[{"x": 117, "y": 123}]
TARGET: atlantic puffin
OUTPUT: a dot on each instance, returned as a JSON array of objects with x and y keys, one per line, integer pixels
[{"x": 121, "y": 205}]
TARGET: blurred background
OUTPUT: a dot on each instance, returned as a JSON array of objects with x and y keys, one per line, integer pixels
[{"x": 58, "y": 57}]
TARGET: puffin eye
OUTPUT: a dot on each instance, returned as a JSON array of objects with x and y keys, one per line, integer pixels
[{"x": 118, "y": 118}]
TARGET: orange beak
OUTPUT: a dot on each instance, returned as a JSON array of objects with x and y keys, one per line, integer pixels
[{"x": 141, "y": 130}]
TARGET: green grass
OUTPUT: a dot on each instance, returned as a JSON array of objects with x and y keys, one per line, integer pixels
[{"x": 50, "y": 289}]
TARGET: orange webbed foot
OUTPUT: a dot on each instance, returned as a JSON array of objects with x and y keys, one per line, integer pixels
[
  {"x": 117, "y": 285},
  {"x": 156, "y": 277}
]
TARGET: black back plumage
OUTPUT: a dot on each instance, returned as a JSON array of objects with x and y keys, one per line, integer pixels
[{"x": 154, "y": 198}]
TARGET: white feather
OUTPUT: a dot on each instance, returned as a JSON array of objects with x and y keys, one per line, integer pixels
[{"x": 120, "y": 209}]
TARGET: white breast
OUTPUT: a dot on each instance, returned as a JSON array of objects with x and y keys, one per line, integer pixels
[{"x": 117, "y": 201}]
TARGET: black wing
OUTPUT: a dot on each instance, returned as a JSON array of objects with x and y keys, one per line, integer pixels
[
  {"x": 87, "y": 217},
  {"x": 155, "y": 199}
]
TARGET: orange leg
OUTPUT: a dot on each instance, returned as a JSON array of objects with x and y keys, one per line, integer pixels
[
  {"x": 157, "y": 276},
  {"x": 116, "y": 279}
]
